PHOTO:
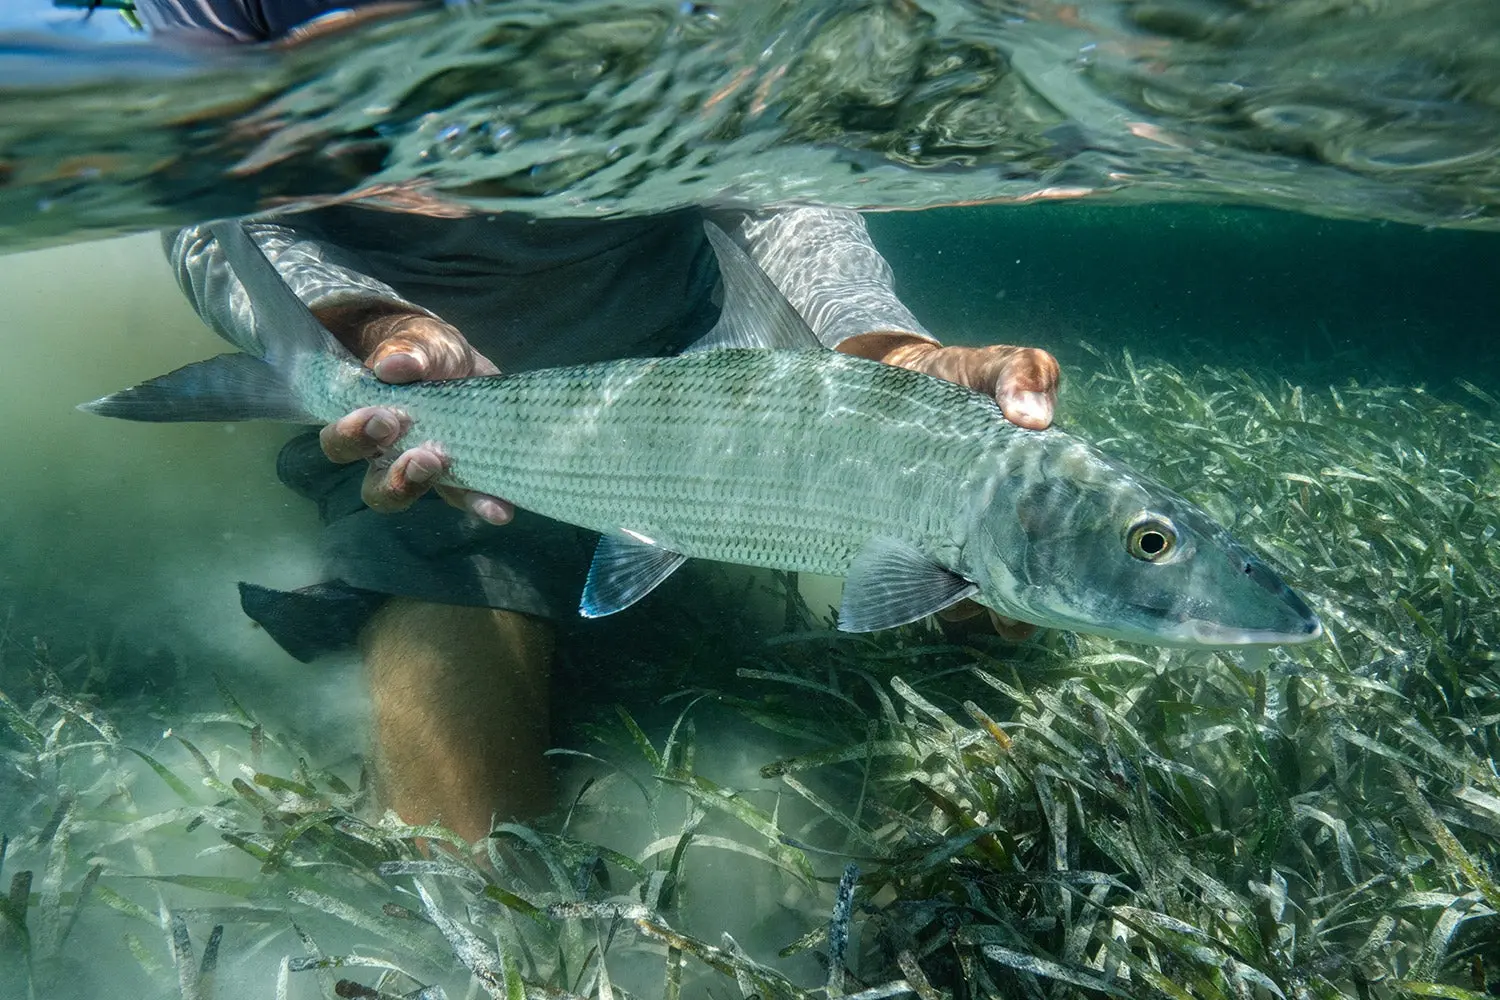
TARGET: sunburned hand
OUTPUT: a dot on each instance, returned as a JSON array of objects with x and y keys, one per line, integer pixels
[
  {"x": 1023, "y": 380},
  {"x": 404, "y": 348}
]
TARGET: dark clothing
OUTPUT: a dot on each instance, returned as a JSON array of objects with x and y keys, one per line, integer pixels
[
  {"x": 233, "y": 21},
  {"x": 528, "y": 294},
  {"x": 431, "y": 552},
  {"x": 538, "y": 293}
]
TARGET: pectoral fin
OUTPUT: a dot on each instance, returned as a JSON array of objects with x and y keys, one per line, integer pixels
[
  {"x": 892, "y": 583},
  {"x": 624, "y": 570}
]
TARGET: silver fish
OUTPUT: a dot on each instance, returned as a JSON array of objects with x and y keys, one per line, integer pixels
[{"x": 760, "y": 447}]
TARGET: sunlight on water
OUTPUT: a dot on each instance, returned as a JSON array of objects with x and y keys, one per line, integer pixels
[{"x": 1366, "y": 111}]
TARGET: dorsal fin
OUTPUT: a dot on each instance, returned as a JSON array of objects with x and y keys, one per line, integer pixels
[
  {"x": 284, "y": 326},
  {"x": 755, "y": 313}
]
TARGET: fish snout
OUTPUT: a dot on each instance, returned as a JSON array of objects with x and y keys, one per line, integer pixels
[{"x": 1299, "y": 622}]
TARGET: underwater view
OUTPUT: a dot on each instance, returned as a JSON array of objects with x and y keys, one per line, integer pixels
[{"x": 944, "y": 499}]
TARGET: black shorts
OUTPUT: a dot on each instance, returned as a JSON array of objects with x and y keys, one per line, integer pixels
[{"x": 432, "y": 552}]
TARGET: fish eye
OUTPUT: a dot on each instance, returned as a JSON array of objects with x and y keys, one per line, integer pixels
[{"x": 1150, "y": 538}]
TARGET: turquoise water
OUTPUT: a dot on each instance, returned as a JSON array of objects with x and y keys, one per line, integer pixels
[
  {"x": 1326, "y": 386},
  {"x": 122, "y": 550},
  {"x": 1311, "y": 297}
]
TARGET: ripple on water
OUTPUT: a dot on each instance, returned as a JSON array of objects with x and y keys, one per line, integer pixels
[
  {"x": 1399, "y": 151},
  {"x": 641, "y": 106}
]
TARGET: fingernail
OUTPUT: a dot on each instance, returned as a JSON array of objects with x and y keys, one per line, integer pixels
[
  {"x": 492, "y": 511},
  {"x": 1029, "y": 409},
  {"x": 421, "y": 471},
  {"x": 398, "y": 368},
  {"x": 381, "y": 429}
]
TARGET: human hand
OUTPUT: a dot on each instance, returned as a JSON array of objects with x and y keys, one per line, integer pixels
[
  {"x": 401, "y": 348},
  {"x": 969, "y": 617},
  {"x": 1023, "y": 380}
]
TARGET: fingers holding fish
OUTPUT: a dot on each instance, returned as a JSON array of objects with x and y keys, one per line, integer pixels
[
  {"x": 1024, "y": 384},
  {"x": 969, "y": 617},
  {"x": 365, "y": 433},
  {"x": 394, "y": 484},
  {"x": 402, "y": 348},
  {"x": 1023, "y": 380},
  {"x": 481, "y": 505}
]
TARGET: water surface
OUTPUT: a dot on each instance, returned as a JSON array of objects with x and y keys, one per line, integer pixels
[{"x": 1369, "y": 111}]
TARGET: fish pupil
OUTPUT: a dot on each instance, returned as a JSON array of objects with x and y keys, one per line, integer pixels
[{"x": 1150, "y": 537}]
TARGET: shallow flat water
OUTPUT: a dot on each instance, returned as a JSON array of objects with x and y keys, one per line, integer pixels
[
  {"x": 1066, "y": 818},
  {"x": 1325, "y": 417}
]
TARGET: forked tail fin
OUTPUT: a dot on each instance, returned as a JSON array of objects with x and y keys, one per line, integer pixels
[
  {"x": 226, "y": 388},
  {"x": 236, "y": 386}
]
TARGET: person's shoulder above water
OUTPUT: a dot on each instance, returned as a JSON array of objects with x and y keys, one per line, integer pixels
[{"x": 236, "y": 21}]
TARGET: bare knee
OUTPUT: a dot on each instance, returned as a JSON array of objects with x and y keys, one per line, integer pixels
[{"x": 460, "y": 700}]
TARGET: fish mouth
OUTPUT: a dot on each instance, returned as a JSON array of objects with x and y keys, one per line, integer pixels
[
  {"x": 1298, "y": 622},
  {"x": 1197, "y": 632}
]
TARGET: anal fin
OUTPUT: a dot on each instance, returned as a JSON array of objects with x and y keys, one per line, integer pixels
[
  {"x": 624, "y": 570},
  {"x": 892, "y": 583}
]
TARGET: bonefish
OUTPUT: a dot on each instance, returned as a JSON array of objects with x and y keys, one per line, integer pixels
[{"x": 761, "y": 447}]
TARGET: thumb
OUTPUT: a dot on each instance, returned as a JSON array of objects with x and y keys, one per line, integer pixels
[{"x": 414, "y": 348}]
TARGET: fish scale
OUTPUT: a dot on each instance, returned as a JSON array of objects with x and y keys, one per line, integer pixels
[{"x": 788, "y": 459}]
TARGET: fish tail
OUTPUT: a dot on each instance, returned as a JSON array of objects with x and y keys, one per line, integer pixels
[
  {"x": 257, "y": 385},
  {"x": 226, "y": 388}
]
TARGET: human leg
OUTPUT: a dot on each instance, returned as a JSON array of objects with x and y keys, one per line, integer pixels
[
  {"x": 460, "y": 699},
  {"x": 453, "y": 618}
]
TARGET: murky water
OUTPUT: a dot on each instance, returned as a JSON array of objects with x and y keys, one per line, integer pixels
[
  {"x": 104, "y": 497},
  {"x": 1365, "y": 110}
]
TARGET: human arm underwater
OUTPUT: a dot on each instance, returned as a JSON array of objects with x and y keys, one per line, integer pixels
[
  {"x": 398, "y": 340},
  {"x": 821, "y": 258},
  {"x": 824, "y": 262}
]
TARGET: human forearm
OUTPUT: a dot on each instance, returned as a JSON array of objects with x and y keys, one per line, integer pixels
[
  {"x": 823, "y": 261},
  {"x": 825, "y": 264},
  {"x": 357, "y": 308}
]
